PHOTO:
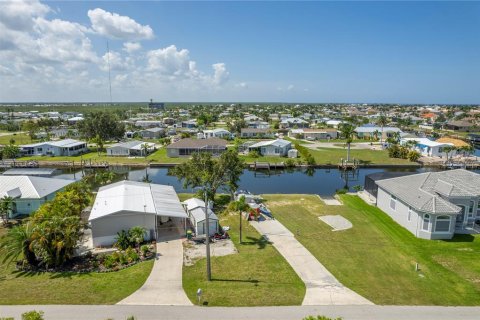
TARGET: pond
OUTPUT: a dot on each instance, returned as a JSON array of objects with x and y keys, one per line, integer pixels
[{"x": 323, "y": 182}]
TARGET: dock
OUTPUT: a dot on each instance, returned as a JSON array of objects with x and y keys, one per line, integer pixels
[
  {"x": 348, "y": 165},
  {"x": 267, "y": 166},
  {"x": 12, "y": 163}
]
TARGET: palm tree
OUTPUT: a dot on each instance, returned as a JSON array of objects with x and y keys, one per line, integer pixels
[
  {"x": 137, "y": 234},
  {"x": 99, "y": 142},
  {"x": 382, "y": 121},
  {"x": 375, "y": 134},
  {"x": 447, "y": 151},
  {"x": 17, "y": 243},
  {"x": 145, "y": 149},
  {"x": 6, "y": 205},
  {"x": 347, "y": 131}
]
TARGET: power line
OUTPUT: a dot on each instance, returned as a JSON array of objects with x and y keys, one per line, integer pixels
[{"x": 109, "y": 75}]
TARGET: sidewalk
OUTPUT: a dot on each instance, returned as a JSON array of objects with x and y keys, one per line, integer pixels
[{"x": 322, "y": 287}]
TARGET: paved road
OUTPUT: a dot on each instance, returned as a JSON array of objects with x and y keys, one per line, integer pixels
[
  {"x": 164, "y": 284},
  {"x": 117, "y": 312},
  {"x": 322, "y": 287}
]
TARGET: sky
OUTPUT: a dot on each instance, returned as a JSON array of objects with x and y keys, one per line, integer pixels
[{"x": 365, "y": 52}]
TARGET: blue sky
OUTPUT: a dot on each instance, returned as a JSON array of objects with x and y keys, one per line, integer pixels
[{"x": 398, "y": 52}]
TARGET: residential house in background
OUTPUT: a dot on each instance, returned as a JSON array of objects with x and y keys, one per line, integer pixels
[
  {"x": 131, "y": 149},
  {"x": 294, "y": 123},
  {"x": 149, "y": 123},
  {"x": 152, "y": 133},
  {"x": 460, "y": 125},
  {"x": 256, "y": 133},
  {"x": 314, "y": 134},
  {"x": 278, "y": 147},
  {"x": 432, "y": 205},
  {"x": 368, "y": 132},
  {"x": 217, "y": 133},
  {"x": 29, "y": 192},
  {"x": 427, "y": 147},
  {"x": 189, "y": 124},
  {"x": 187, "y": 147},
  {"x": 66, "y": 147}
]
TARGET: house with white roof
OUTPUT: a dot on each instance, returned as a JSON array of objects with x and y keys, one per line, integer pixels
[
  {"x": 313, "y": 134},
  {"x": 432, "y": 205},
  {"x": 278, "y": 147},
  {"x": 126, "y": 204},
  {"x": 196, "y": 214},
  {"x": 294, "y": 123},
  {"x": 369, "y": 132},
  {"x": 428, "y": 148},
  {"x": 66, "y": 147},
  {"x": 216, "y": 133},
  {"x": 28, "y": 192},
  {"x": 131, "y": 149}
]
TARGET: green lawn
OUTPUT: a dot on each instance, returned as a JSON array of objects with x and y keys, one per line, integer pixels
[
  {"x": 366, "y": 156},
  {"x": 257, "y": 276},
  {"x": 376, "y": 258},
  {"x": 20, "y": 138},
  {"x": 68, "y": 288}
]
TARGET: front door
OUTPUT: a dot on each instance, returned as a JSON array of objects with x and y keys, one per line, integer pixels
[{"x": 460, "y": 217}]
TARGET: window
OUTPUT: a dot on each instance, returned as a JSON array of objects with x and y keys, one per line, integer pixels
[
  {"x": 442, "y": 224},
  {"x": 409, "y": 217},
  {"x": 393, "y": 202},
  {"x": 426, "y": 222},
  {"x": 470, "y": 208}
]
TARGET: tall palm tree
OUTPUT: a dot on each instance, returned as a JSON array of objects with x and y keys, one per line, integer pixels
[
  {"x": 375, "y": 134},
  {"x": 382, "y": 121},
  {"x": 347, "y": 131}
]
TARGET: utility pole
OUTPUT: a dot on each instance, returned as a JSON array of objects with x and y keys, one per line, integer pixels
[{"x": 207, "y": 223}]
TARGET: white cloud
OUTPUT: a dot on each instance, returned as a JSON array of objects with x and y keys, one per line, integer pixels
[
  {"x": 221, "y": 74},
  {"x": 172, "y": 62},
  {"x": 19, "y": 15},
  {"x": 241, "y": 85},
  {"x": 131, "y": 46},
  {"x": 290, "y": 87},
  {"x": 117, "y": 62},
  {"x": 115, "y": 26}
]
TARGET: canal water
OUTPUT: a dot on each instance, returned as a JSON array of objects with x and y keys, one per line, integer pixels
[{"x": 323, "y": 182}]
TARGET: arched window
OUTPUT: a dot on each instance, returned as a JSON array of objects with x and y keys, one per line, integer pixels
[
  {"x": 442, "y": 224},
  {"x": 426, "y": 222}
]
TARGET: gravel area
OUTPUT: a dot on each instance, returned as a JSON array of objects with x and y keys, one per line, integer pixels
[{"x": 192, "y": 252}]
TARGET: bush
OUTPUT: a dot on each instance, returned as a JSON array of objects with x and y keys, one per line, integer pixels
[
  {"x": 341, "y": 191},
  {"x": 123, "y": 240},
  {"x": 413, "y": 156},
  {"x": 289, "y": 163},
  {"x": 310, "y": 160},
  {"x": 358, "y": 188},
  {"x": 144, "y": 249},
  {"x": 32, "y": 315},
  {"x": 253, "y": 154},
  {"x": 109, "y": 261},
  {"x": 131, "y": 255}
]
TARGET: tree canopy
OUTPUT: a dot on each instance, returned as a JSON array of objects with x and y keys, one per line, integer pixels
[{"x": 103, "y": 125}]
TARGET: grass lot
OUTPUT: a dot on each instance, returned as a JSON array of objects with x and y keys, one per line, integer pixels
[
  {"x": 257, "y": 276},
  {"x": 377, "y": 257},
  {"x": 378, "y": 157},
  {"x": 20, "y": 138},
  {"x": 69, "y": 288}
]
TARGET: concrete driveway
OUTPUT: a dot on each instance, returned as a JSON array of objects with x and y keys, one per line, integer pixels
[
  {"x": 164, "y": 285},
  {"x": 322, "y": 287}
]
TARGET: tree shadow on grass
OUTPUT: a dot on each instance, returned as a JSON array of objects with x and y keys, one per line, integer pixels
[
  {"x": 254, "y": 281},
  {"x": 261, "y": 242}
]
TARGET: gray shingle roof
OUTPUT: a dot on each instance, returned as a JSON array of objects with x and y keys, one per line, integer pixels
[{"x": 424, "y": 191}]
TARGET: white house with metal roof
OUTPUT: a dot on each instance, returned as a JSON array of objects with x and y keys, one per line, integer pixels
[
  {"x": 427, "y": 147},
  {"x": 126, "y": 204},
  {"x": 216, "y": 133},
  {"x": 131, "y": 149},
  {"x": 29, "y": 193},
  {"x": 66, "y": 147},
  {"x": 433, "y": 205},
  {"x": 278, "y": 147},
  {"x": 196, "y": 212}
]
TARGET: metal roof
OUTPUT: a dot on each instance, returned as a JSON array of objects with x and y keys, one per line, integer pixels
[
  {"x": 26, "y": 187},
  {"x": 29, "y": 172},
  {"x": 134, "y": 144},
  {"x": 66, "y": 143},
  {"x": 277, "y": 143},
  {"x": 137, "y": 197},
  {"x": 199, "y": 143},
  {"x": 423, "y": 191}
]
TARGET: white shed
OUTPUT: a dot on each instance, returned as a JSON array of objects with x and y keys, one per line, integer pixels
[
  {"x": 293, "y": 153},
  {"x": 196, "y": 212}
]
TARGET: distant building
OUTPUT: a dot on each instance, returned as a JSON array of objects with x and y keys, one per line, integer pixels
[
  {"x": 256, "y": 133},
  {"x": 152, "y": 133},
  {"x": 66, "y": 147},
  {"x": 459, "y": 126},
  {"x": 131, "y": 149},
  {"x": 368, "y": 132},
  {"x": 277, "y": 147},
  {"x": 216, "y": 133},
  {"x": 314, "y": 134},
  {"x": 156, "y": 105},
  {"x": 187, "y": 147}
]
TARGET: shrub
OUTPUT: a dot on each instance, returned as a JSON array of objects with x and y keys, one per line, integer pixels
[
  {"x": 358, "y": 188},
  {"x": 413, "y": 156},
  {"x": 109, "y": 261},
  {"x": 136, "y": 235},
  {"x": 32, "y": 315},
  {"x": 123, "y": 240},
  {"x": 253, "y": 154},
  {"x": 144, "y": 249},
  {"x": 289, "y": 163},
  {"x": 341, "y": 191},
  {"x": 310, "y": 160},
  {"x": 131, "y": 255}
]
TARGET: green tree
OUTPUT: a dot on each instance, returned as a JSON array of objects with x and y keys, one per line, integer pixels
[
  {"x": 347, "y": 131},
  {"x": 382, "y": 121},
  {"x": 33, "y": 315},
  {"x": 17, "y": 244},
  {"x": 6, "y": 206},
  {"x": 10, "y": 151},
  {"x": 137, "y": 235},
  {"x": 104, "y": 124}
]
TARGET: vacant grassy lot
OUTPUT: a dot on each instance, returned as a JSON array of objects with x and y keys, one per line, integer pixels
[
  {"x": 20, "y": 138},
  {"x": 68, "y": 288},
  {"x": 378, "y": 157},
  {"x": 377, "y": 257},
  {"x": 257, "y": 276}
]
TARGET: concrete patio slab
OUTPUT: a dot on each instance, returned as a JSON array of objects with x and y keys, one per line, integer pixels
[{"x": 337, "y": 222}]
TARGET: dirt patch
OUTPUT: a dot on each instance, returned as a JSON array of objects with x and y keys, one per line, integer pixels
[{"x": 193, "y": 252}]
